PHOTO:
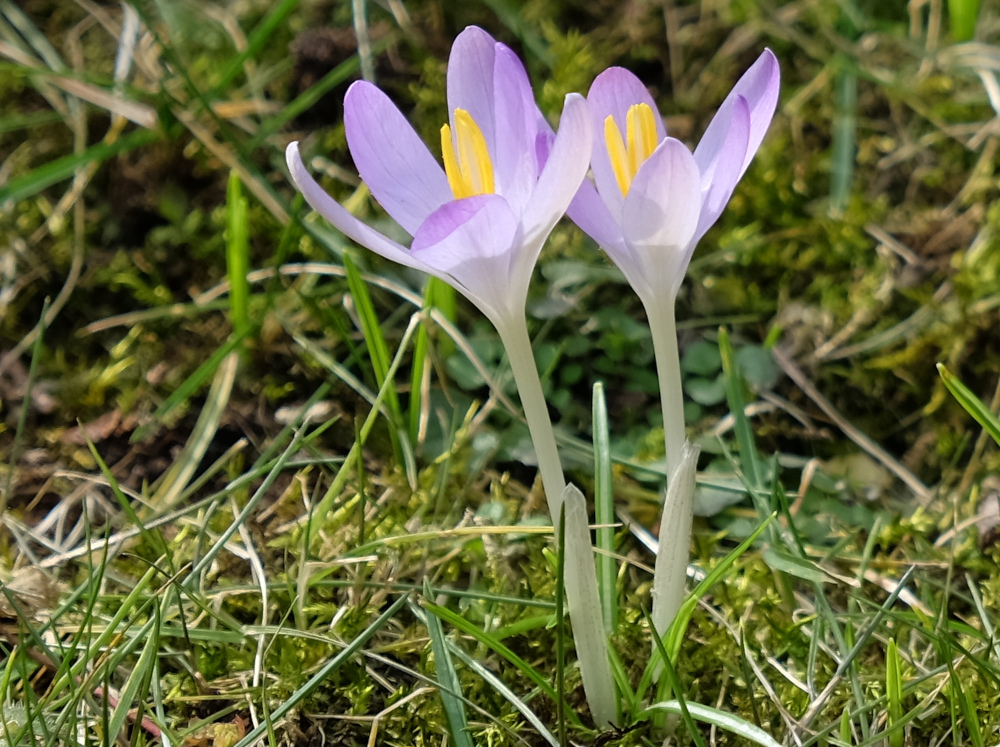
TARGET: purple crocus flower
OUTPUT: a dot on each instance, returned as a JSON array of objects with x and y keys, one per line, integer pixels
[
  {"x": 478, "y": 223},
  {"x": 651, "y": 199}
]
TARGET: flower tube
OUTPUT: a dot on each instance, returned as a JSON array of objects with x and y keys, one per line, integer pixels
[{"x": 650, "y": 202}]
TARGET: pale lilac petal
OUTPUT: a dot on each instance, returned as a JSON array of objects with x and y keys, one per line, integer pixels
[
  {"x": 342, "y": 220},
  {"x": 590, "y": 213},
  {"x": 759, "y": 86},
  {"x": 563, "y": 173},
  {"x": 611, "y": 94},
  {"x": 471, "y": 244},
  {"x": 721, "y": 160},
  {"x": 392, "y": 159},
  {"x": 516, "y": 128},
  {"x": 661, "y": 214},
  {"x": 471, "y": 80}
]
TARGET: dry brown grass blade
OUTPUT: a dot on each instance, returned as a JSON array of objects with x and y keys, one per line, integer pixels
[{"x": 796, "y": 374}]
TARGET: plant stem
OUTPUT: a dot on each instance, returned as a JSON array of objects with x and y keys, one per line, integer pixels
[
  {"x": 522, "y": 362},
  {"x": 668, "y": 371}
]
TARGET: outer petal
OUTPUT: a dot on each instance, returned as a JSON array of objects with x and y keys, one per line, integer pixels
[
  {"x": 391, "y": 158},
  {"x": 661, "y": 214},
  {"x": 759, "y": 86},
  {"x": 721, "y": 160},
  {"x": 611, "y": 94},
  {"x": 471, "y": 243},
  {"x": 471, "y": 80},
  {"x": 346, "y": 223}
]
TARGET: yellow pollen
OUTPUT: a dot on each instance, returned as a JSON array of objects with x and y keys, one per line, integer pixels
[
  {"x": 628, "y": 154},
  {"x": 466, "y": 159}
]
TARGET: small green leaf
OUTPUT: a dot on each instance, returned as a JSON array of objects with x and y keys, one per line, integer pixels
[
  {"x": 972, "y": 404},
  {"x": 793, "y": 566}
]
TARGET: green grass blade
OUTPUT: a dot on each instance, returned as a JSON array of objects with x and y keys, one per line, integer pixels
[
  {"x": 894, "y": 694},
  {"x": 238, "y": 255},
  {"x": 963, "y": 15},
  {"x": 604, "y": 512},
  {"x": 967, "y": 708},
  {"x": 720, "y": 719},
  {"x": 177, "y": 477},
  {"x": 378, "y": 350},
  {"x": 561, "y": 709},
  {"x": 749, "y": 459},
  {"x": 671, "y": 680},
  {"x": 845, "y": 127},
  {"x": 972, "y": 404},
  {"x": 137, "y": 685},
  {"x": 449, "y": 686}
]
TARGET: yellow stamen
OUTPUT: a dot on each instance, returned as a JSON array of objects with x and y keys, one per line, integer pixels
[
  {"x": 468, "y": 167},
  {"x": 628, "y": 154}
]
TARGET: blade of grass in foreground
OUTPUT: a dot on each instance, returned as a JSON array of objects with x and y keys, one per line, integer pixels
[
  {"x": 972, "y": 404},
  {"x": 449, "y": 686},
  {"x": 894, "y": 694},
  {"x": 670, "y": 679},
  {"x": 378, "y": 349},
  {"x": 749, "y": 459},
  {"x": 721, "y": 719},
  {"x": 237, "y": 255}
]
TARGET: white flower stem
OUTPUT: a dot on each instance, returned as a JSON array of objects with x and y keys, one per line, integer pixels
[
  {"x": 514, "y": 336},
  {"x": 582, "y": 595},
  {"x": 668, "y": 369}
]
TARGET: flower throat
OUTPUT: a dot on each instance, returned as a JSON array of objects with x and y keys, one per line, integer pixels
[{"x": 640, "y": 141}]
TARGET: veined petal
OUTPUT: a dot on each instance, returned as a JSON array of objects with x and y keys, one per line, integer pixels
[
  {"x": 471, "y": 81},
  {"x": 759, "y": 86},
  {"x": 342, "y": 220},
  {"x": 721, "y": 163},
  {"x": 516, "y": 128},
  {"x": 563, "y": 173},
  {"x": 392, "y": 159},
  {"x": 471, "y": 243},
  {"x": 611, "y": 94},
  {"x": 661, "y": 214}
]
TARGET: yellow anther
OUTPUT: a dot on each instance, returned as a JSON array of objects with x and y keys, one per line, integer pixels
[
  {"x": 468, "y": 166},
  {"x": 628, "y": 154}
]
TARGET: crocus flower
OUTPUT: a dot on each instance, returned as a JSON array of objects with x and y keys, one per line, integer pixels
[
  {"x": 479, "y": 224},
  {"x": 651, "y": 199},
  {"x": 650, "y": 202}
]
